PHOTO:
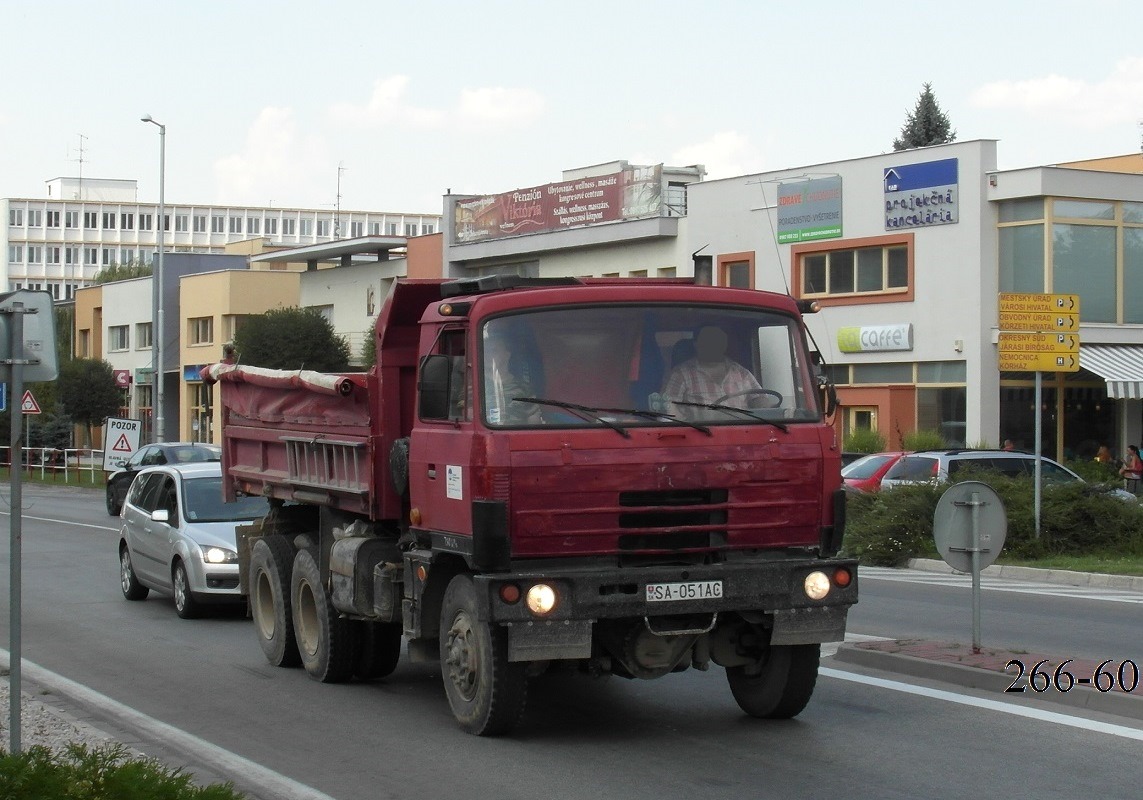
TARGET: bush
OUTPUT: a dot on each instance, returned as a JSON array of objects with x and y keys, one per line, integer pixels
[
  {"x": 864, "y": 440},
  {"x": 890, "y": 527},
  {"x": 922, "y": 440},
  {"x": 104, "y": 773}
]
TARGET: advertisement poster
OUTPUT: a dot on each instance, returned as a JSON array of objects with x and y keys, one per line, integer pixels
[{"x": 809, "y": 210}]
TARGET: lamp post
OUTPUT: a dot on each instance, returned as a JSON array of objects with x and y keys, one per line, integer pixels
[{"x": 157, "y": 286}]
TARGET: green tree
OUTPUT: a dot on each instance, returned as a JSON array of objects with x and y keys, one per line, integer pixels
[
  {"x": 86, "y": 388},
  {"x": 291, "y": 338},
  {"x": 121, "y": 272},
  {"x": 926, "y": 124}
]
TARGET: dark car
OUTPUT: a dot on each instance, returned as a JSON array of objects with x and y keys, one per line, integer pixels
[{"x": 153, "y": 455}]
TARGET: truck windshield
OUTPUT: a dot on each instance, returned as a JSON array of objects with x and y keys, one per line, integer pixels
[{"x": 625, "y": 366}]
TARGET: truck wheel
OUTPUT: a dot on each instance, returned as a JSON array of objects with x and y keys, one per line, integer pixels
[
  {"x": 325, "y": 639},
  {"x": 485, "y": 690},
  {"x": 378, "y": 649},
  {"x": 271, "y": 560},
  {"x": 132, "y": 589},
  {"x": 783, "y": 686}
]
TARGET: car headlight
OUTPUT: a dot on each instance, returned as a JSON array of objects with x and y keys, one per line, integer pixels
[{"x": 219, "y": 555}]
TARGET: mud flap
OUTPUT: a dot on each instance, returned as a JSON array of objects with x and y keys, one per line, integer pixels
[
  {"x": 551, "y": 640},
  {"x": 809, "y": 625}
]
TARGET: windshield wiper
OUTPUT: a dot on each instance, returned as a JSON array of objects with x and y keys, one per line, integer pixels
[
  {"x": 659, "y": 415},
  {"x": 719, "y": 407},
  {"x": 583, "y": 412}
]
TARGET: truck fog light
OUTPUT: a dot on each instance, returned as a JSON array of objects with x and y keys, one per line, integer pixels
[
  {"x": 541, "y": 599},
  {"x": 817, "y": 585}
]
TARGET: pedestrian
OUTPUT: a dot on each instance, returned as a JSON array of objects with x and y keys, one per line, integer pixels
[
  {"x": 1009, "y": 444},
  {"x": 1103, "y": 455},
  {"x": 1132, "y": 469}
]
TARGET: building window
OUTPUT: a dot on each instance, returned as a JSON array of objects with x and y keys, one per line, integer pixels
[
  {"x": 127, "y": 222},
  {"x": 410, "y": 229},
  {"x": 217, "y": 224},
  {"x": 374, "y": 228},
  {"x": 356, "y": 229},
  {"x": 200, "y": 330},
  {"x": 236, "y": 224},
  {"x": 108, "y": 256},
  {"x": 35, "y": 254},
  {"x": 200, "y": 223},
  {"x": 146, "y": 222},
  {"x": 306, "y": 227},
  {"x": 231, "y": 324},
  {"x": 323, "y": 227},
  {"x": 874, "y": 270},
  {"x": 83, "y": 343},
  {"x": 71, "y": 255},
  {"x": 35, "y": 218},
  {"x": 288, "y": 227},
  {"x": 391, "y": 229},
  {"x": 181, "y": 222},
  {"x": 272, "y": 226},
  {"x": 108, "y": 220},
  {"x": 126, "y": 256},
  {"x": 91, "y": 256},
  {"x": 16, "y": 217},
  {"x": 166, "y": 222},
  {"x": 15, "y": 254},
  {"x": 143, "y": 336},
  {"x": 71, "y": 219},
  {"x": 90, "y": 220},
  {"x": 118, "y": 338},
  {"x": 426, "y": 229},
  {"x": 736, "y": 270},
  {"x": 53, "y": 219},
  {"x": 254, "y": 226},
  {"x": 53, "y": 255}
]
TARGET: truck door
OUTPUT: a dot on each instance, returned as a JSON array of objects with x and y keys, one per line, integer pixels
[{"x": 440, "y": 447}]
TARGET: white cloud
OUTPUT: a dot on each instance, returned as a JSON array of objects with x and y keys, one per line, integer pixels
[
  {"x": 1110, "y": 101},
  {"x": 387, "y": 106},
  {"x": 499, "y": 107},
  {"x": 724, "y": 154},
  {"x": 273, "y": 165}
]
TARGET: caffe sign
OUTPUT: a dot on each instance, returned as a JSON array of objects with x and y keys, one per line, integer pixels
[{"x": 875, "y": 338}]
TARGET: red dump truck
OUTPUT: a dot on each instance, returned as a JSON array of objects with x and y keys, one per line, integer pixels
[{"x": 623, "y": 476}]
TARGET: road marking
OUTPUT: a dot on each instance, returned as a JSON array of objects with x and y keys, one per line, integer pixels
[
  {"x": 992, "y": 705},
  {"x": 61, "y": 522},
  {"x": 273, "y": 783},
  {"x": 1016, "y": 586}
]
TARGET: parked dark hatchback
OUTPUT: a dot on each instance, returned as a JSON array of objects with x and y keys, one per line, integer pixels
[{"x": 153, "y": 455}]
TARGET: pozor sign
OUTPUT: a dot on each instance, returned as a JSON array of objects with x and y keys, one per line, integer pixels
[{"x": 120, "y": 441}]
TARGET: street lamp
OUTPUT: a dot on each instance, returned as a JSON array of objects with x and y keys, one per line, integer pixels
[{"x": 157, "y": 286}]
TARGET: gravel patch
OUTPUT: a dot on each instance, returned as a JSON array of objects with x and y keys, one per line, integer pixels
[{"x": 42, "y": 724}]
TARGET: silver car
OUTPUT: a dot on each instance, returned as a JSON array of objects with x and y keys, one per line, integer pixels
[{"x": 177, "y": 536}]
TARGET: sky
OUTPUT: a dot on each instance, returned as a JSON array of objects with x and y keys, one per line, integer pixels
[{"x": 392, "y": 105}]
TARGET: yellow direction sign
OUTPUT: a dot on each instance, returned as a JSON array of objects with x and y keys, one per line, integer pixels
[
  {"x": 1056, "y": 343},
  {"x": 1022, "y": 361},
  {"x": 1038, "y": 321},
  {"x": 1014, "y": 301}
]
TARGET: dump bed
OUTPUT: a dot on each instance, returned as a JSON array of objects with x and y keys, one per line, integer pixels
[{"x": 301, "y": 436}]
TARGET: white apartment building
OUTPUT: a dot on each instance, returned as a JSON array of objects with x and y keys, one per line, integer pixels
[{"x": 59, "y": 242}]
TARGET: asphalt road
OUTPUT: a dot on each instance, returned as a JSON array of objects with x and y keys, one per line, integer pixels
[{"x": 861, "y": 736}]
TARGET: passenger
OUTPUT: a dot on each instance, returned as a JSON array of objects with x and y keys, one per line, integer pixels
[
  {"x": 710, "y": 376},
  {"x": 506, "y": 378}
]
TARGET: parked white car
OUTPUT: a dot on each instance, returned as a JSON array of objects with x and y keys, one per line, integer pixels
[{"x": 177, "y": 536}]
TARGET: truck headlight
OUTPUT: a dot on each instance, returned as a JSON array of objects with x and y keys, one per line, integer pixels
[
  {"x": 816, "y": 585},
  {"x": 541, "y": 599}
]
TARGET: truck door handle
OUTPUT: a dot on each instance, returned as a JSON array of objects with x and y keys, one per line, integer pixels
[{"x": 432, "y": 472}]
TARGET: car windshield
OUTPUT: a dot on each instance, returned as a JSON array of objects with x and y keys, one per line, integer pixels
[
  {"x": 202, "y": 500},
  {"x": 192, "y": 454},
  {"x": 628, "y": 365},
  {"x": 864, "y": 468},
  {"x": 913, "y": 468}
]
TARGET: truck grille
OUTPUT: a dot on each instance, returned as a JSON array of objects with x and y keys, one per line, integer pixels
[{"x": 685, "y": 519}]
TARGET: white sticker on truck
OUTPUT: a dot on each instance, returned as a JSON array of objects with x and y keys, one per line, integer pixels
[{"x": 454, "y": 482}]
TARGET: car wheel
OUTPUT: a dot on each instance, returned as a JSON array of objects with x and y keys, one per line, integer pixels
[
  {"x": 114, "y": 507},
  {"x": 185, "y": 604},
  {"x": 132, "y": 589},
  {"x": 271, "y": 560}
]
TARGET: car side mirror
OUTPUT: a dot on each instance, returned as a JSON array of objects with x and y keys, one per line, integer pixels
[{"x": 161, "y": 515}]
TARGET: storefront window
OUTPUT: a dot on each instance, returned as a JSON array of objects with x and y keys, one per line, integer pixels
[
  {"x": 1132, "y": 275},
  {"x": 1021, "y": 210},
  {"x": 1022, "y": 259},
  {"x": 943, "y": 410},
  {"x": 1083, "y": 262}
]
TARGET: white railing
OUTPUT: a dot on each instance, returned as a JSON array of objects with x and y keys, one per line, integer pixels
[{"x": 80, "y": 465}]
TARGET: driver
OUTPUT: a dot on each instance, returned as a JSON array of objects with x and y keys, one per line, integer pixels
[{"x": 711, "y": 376}]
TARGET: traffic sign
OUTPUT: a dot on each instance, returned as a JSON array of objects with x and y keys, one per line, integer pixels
[
  {"x": 1039, "y": 321},
  {"x": 1022, "y": 361},
  {"x": 28, "y": 404},
  {"x": 120, "y": 441},
  {"x": 1014, "y": 301},
  {"x": 1039, "y": 343}
]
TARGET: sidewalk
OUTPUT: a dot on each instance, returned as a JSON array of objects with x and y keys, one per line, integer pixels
[{"x": 1114, "y": 687}]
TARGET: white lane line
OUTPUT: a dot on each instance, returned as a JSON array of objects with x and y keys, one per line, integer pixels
[
  {"x": 1020, "y": 587},
  {"x": 60, "y": 521},
  {"x": 992, "y": 705},
  {"x": 272, "y": 783}
]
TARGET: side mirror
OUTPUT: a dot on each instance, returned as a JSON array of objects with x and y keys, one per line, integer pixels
[
  {"x": 433, "y": 387},
  {"x": 160, "y": 515},
  {"x": 826, "y": 390}
]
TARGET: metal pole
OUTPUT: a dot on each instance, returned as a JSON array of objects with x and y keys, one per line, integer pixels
[
  {"x": 157, "y": 288},
  {"x": 975, "y": 571},
  {"x": 1039, "y": 447},
  {"x": 15, "y": 585}
]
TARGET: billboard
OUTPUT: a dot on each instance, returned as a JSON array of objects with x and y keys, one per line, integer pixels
[
  {"x": 920, "y": 195},
  {"x": 809, "y": 210},
  {"x": 631, "y": 193}
]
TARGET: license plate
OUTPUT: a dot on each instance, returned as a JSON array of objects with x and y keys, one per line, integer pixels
[{"x": 693, "y": 590}]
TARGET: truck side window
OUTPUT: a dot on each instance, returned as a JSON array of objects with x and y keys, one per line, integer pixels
[{"x": 452, "y": 344}]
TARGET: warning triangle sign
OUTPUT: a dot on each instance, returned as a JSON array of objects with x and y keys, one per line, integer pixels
[
  {"x": 122, "y": 445},
  {"x": 28, "y": 404}
]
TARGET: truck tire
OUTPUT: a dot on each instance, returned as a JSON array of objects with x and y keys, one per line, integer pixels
[
  {"x": 378, "y": 649},
  {"x": 271, "y": 560},
  {"x": 783, "y": 687},
  {"x": 485, "y": 690},
  {"x": 325, "y": 639},
  {"x": 399, "y": 465}
]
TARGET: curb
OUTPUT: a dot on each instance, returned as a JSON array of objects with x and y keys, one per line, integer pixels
[
  {"x": 1060, "y": 576},
  {"x": 1115, "y": 703}
]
